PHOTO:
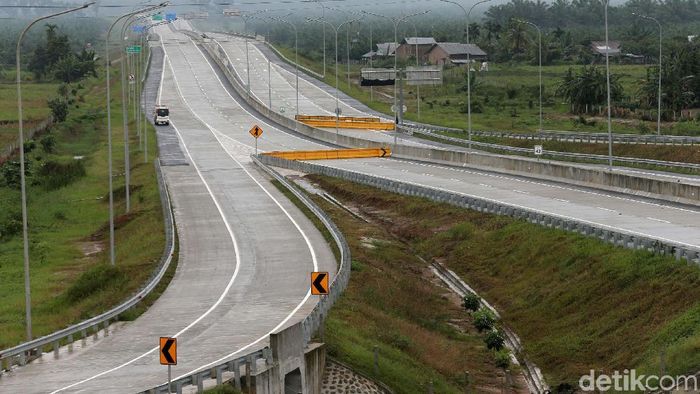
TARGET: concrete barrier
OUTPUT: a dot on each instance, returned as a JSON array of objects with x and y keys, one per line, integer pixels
[{"x": 331, "y": 154}]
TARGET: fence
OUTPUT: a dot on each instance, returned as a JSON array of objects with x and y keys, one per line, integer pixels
[{"x": 550, "y": 153}]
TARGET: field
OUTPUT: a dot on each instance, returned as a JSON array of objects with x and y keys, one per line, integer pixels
[
  {"x": 576, "y": 303},
  {"x": 34, "y": 96},
  {"x": 504, "y": 98},
  {"x": 70, "y": 275}
]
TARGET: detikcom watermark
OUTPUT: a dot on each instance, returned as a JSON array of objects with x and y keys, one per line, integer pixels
[{"x": 629, "y": 380}]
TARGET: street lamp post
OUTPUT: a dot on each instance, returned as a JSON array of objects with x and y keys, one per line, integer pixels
[
  {"x": 469, "y": 65},
  {"x": 296, "y": 53},
  {"x": 112, "y": 255},
  {"x": 245, "y": 18},
  {"x": 23, "y": 184},
  {"x": 607, "y": 77},
  {"x": 337, "y": 100},
  {"x": 396, "y": 21},
  {"x": 539, "y": 41},
  {"x": 658, "y": 99}
]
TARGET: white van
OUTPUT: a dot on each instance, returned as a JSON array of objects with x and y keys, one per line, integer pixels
[{"x": 161, "y": 115}]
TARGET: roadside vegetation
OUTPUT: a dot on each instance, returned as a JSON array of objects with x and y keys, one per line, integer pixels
[
  {"x": 71, "y": 278},
  {"x": 576, "y": 303}
]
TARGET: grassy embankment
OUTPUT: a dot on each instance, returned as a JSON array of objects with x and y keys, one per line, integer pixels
[
  {"x": 68, "y": 220},
  {"x": 34, "y": 97},
  {"x": 577, "y": 303}
]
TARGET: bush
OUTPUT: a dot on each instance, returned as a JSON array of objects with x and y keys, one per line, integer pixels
[
  {"x": 11, "y": 173},
  {"x": 48, "y": 143},
  {"x": 59, "y": 109},
  {"x": 54, "y": 175},
  {"x": 502, "y": 359},
  {"x": 94, "y": 280},
  {"x": 471, "y": 302},
  {"x": 11, "y": 226},
  {"x": 484, "y": 319},
  {"x": 494, "y": 340}
]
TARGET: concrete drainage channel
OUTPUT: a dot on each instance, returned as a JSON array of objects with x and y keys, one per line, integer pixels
[
  {"x": 533, "y": 375},
  {"x": 614, "y": 236}
]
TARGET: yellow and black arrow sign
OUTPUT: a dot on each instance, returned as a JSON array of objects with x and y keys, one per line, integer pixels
[
  {"x": 385, "y": 152},
  {"x": 168, "y": 351},
  {"x": 319, "y": 283},
  {"x": 256, "y": 131}
]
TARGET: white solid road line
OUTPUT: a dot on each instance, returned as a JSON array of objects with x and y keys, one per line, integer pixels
[{"x": 659, "y": 220}]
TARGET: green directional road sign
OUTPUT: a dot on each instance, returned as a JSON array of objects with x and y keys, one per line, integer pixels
[
  {"x": 157, "y": 17},
  {"x": 133, "y": 49}
]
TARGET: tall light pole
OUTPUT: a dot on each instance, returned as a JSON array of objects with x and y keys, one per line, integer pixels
[
  {"x": 415, "y": 33},
  {"x": 469, "y": 65},
  {"x": 296, "y": 52},
  {"x": 396, "y": 20},
  {"x": 658, "y": 99},
  {"x": 245, "y": 18},
  {"x": 323, "y": 17},
  {"x": 23, "y": 182},
  {"x": 335, "y": 29},
  {"x": 607, "y": 77},
  {"x": 112, "y": 254},
  {"x": 539, "y": 42}
]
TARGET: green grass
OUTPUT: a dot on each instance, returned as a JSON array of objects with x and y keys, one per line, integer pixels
[
  {"x": 34, "y": 96},
  {"x": 577, "y": 303},
  {"x": 421, "y": 334},
  {"x": 445, "y": 105},
  {"x": 70, "y": 276}
]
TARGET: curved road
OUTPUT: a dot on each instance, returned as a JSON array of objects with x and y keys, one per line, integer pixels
[{"x": 245, "y": 257}]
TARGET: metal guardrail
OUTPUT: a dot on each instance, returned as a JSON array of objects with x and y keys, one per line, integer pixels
[
  {"x": 311, "y": 322},
  {"x": 571, "y": 136},
  {"x": 550, "y": 153},
  {"x": 23, "y": 353},
  {"x": 608, "y": 234}
]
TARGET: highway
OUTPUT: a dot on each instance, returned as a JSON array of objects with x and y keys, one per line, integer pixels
[
  {"x": 630, "y": 214},
  {"x": 245, "y": 257},
  {"x": 246, "y": 251}
]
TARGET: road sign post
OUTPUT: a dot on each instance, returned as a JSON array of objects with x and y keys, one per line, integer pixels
[
  {"x": 168, "y": 356},
  {"x": 538, "y": 151},
  {"x": 256, "y": 132}
]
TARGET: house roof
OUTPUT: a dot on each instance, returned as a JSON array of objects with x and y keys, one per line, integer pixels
[
  {"x": 419, "y": 41},
  {"x": 600, "y": 48},
  {"x": 457, "y": 48},
  {"x": 386, "y": 49}
]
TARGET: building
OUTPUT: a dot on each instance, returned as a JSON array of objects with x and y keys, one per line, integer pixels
[
  {"x": 599, "y": 48},
  {"x": 409, "y": 45},
  {"x": 454, "y": 53},
  {"x": 384, "y": 49}
]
